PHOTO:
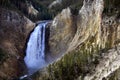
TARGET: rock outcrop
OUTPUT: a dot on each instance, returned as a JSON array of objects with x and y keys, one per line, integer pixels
[
  {"x": 14, "y": 31},
  {"x": 62, "y": 31},
  {"x": 88, "y": 23},
  {"x": 31, "y": 10},
  {"x": 109, "y": 63},
  {"x": 56, "y": 2}
]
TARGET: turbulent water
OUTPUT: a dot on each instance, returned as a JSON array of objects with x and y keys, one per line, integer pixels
[{"x": 35, "y": 52}]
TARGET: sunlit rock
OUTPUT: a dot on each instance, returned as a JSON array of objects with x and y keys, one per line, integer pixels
[{"x": 62, "y": 31}]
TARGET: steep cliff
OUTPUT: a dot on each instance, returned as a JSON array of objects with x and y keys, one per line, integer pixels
[
  {"x": 62, "y": 31},
  {"x": 14, "y": 31},
  {"x": 92, "y": 53},
  {"x": 83, "y": 42}
]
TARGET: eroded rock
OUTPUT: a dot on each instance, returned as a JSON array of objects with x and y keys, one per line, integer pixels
[
  {"x": 88, "y": 23},
  {"x": 62, "y": 31},
  {"x": 91, "y": 38},
  {"x": 14, "y": 31}
]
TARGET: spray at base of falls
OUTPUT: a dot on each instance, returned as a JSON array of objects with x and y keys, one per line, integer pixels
[{"x": 35, "y": 52}]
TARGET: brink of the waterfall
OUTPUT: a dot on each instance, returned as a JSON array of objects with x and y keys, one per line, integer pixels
[{"x": 35, "y": 51}]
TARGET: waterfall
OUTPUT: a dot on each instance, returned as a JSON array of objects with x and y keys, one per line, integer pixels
[{"x": 35, "y": 52}]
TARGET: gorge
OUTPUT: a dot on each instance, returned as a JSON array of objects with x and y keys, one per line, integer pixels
[{"x": 81, "y": 41}]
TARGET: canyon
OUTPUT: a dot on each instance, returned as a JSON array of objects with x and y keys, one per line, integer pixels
[{"x": 81, "y": 46}]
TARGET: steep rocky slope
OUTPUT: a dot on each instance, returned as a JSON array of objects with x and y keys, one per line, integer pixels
[
  {"x": 92, "y": 50},
  {"x": 62, "y": 31},
  {"x": 87, "y": 38},
  {"x": 14, "y": 31}
]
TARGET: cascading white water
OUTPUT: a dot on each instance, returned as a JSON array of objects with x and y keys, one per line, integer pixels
[{"x": 35, "y": 52}]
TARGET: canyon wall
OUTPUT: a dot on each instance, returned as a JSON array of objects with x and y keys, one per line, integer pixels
[
  {"x": 14, "y": 31},
  {"x": 94, "y": 40},
  {"x": 62, "y": 31},
  {"x": 85, "y": 45}
]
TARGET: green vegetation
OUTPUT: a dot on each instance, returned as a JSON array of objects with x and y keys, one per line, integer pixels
[
  {"x": 73, "y": 65},
  {"x": 4, "y": 3},
  {"x": 111, "y": 7},
  {"x": 75, "y": 5},
  {"x": 22, "y": 5},
  {"x": 76, "y": 63},
  {"x": 42, "y": 7}
]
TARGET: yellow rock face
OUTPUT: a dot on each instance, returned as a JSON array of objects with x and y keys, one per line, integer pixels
[
  {"x": 62, "y": 31},
  {"x": 90, "y": 35}
]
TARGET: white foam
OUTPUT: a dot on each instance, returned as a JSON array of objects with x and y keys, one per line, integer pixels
[{"x": 35, "y": 52}]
